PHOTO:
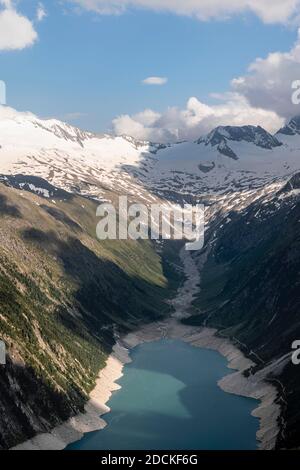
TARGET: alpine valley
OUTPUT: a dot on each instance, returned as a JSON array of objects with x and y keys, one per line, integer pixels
[{"x": 65, "y": 297}]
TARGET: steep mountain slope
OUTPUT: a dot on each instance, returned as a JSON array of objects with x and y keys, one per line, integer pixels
[
  {"x": 63, "y": 295},
  {"x": 250, "y": 290},
  {"x": 292, "y": 128}
]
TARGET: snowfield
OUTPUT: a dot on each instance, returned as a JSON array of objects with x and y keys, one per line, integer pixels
[{"x": 227, "y": 159}]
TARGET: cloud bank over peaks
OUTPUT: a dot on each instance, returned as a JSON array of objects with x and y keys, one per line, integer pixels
[
  {"x": 263, "y": 96},
  {"x": 196, "y": 119},
  {"x": 268, "y": 82}
]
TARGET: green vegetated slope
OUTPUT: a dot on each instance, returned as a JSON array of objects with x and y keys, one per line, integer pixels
[
  {"x": 250, "y": 291},
  {"x": 62, "y": 295}
]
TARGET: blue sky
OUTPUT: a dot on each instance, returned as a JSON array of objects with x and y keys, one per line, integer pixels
[{"x": 88, "y": 68}]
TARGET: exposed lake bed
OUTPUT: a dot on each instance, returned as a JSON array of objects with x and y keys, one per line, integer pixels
[
  {"x": 235, "y": 383},
  {"x": 165, "y": 404}
]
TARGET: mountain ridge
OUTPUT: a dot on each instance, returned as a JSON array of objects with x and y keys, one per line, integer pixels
[{"x": 85, "y": 163}]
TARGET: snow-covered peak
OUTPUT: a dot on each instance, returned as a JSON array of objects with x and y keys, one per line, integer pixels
[
  {"x": 63, "y": 130},
  {"x": 253, "y": 134},
  {"x": 64, "y": 155}
]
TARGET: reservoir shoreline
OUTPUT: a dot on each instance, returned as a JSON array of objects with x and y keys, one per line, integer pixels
[
  {"x": 254, "y": 386},
  {"x": 74, "y": 429}
]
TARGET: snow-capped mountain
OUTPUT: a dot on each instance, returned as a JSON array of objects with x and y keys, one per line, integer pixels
[
  {"x": 253, "y": 134},
  {"x": 292, "y": 128},
  {"x": 66, "y": 156},
  {"x": 229, "y": 158}
]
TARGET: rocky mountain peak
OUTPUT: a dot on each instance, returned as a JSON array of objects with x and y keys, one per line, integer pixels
[
  {"x": 292, "y": 128},
  {"x": 253, "y": 134},
  {"x": 293, "y": 184}
]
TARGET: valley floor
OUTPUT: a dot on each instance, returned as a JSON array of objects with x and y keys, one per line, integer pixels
[{"x": 254, "y": 386}]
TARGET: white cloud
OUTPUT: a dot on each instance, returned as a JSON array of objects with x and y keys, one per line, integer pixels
[
  {"x": 270, "y": 11},
  {"x": 16, "y": 31},
  {"x": 11, "y": 113},
  {"x": 131, "y": 125},
  {"x": 155, "y": 81},
  {"x": 40, "y": 12},
  {"x": 269, "y": 81},
  {"x": 263, "y": 96},
  {"x": 195, "y": 119}
]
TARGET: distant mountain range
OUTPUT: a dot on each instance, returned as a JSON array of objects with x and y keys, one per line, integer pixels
[{"x": 228, "y": 158}]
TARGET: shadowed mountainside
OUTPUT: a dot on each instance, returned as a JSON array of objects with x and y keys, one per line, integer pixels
[
  {"x": 250, "y": 292},
  {"x": 63, "y": 295}
]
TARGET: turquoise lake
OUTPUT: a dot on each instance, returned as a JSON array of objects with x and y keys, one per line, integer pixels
[{"x": 170, "y": 400}]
